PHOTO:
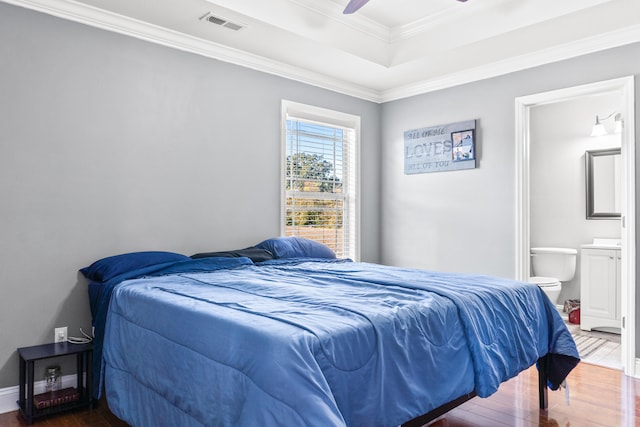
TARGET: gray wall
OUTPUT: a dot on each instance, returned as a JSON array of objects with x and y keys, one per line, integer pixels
[
  {"x": 458, "y": 220},
  {"x": 109, "y": 144},
  {"x": 559, "y": 137},
  {"x": 465, "y": 220}
]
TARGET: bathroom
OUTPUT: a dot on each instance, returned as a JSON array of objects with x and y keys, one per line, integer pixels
[{"x": 560, "y": 137}]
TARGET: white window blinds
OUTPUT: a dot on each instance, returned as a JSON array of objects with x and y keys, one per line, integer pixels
[{"x": 320, "y": 183}]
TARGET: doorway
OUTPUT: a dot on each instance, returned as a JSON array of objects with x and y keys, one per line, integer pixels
[{"x": 625, "y": 88}]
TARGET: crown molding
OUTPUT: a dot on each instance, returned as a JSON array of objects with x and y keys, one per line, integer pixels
[
  {"x": 99, "y": 18},
  {"x": 585, "y": 46},
  {"x": 423, "y": 25},
  {"x": 357, "y": 22}
]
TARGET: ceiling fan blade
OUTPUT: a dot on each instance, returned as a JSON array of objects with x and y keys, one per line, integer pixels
[{"x": 354, "y": 5}]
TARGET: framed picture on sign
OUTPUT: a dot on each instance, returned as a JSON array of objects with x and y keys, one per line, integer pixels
[
  {"x": 464, "y": 147},
  {"x": 447, "y": 147}
]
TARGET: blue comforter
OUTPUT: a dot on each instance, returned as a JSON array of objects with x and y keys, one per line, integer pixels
[{"x": 318, "y": 343}]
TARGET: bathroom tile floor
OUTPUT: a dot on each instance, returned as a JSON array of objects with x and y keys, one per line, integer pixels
[{"x": 608, "y": 355}]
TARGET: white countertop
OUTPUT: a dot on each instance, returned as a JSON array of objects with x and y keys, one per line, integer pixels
[{"x": 601, "y": 243}]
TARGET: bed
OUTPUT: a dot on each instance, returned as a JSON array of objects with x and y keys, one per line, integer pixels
[{"x": 284, "y": 334}]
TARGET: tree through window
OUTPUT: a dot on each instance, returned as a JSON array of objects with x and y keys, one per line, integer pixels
[{"x": 319, "y": 178}]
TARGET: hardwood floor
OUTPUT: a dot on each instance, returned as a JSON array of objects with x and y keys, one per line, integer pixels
[
  {"x": 598, "y": 396},
  {"x": 97, "y": 417}
]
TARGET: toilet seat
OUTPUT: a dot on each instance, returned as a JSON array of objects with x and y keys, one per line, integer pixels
[{"x": 545, "y": 282}]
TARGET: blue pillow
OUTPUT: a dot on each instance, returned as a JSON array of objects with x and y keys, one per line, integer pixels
[
  {"x": 296, "y": 247},
  {"x": 107, "y": 268}
]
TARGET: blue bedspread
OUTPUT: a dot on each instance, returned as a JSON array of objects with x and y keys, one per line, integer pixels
[{"x": 318, "y": 343}]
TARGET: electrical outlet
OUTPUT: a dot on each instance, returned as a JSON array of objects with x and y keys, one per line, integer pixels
[{"x": 60, "y": 334}]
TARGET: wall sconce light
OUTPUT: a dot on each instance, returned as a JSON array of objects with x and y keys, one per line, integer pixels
[{"x": 599, "y": 129}]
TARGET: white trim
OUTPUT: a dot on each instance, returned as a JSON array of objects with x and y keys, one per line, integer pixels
[
  {"x": 519, "y": 63},
  {"x": 99, "y": 18},
  {"x": 357, "y": 22},
  {"x": 8, "y": 399},
  {"x": 422, "y": 25},
  {"x": 293, "y": 109},
  {"x": 367, "y": 26},
  {"x": 628, "y": 292},
  {"x": 522, "y": 188},
  {"x": 9, "y": 395},
  {"x": 624, "y": 86},
  {"x": 93, "y": 16}
]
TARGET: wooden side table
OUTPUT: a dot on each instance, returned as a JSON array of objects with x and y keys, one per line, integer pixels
[{"x": 81, "y": 396}]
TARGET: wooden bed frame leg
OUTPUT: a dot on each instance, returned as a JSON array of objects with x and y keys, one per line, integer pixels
[{"x": 542, "y": 383}]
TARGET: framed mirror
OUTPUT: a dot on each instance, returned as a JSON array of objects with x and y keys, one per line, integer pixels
[{"x": 603, "y": 183}]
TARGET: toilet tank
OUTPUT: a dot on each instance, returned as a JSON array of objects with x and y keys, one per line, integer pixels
[{"x": 554, "y": 262}]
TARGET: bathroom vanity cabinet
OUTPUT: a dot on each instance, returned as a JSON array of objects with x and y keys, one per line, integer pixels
[{"x": 600, "y": 288}]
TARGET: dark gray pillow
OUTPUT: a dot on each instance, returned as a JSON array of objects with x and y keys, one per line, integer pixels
[{"x": 253, "y": 253}]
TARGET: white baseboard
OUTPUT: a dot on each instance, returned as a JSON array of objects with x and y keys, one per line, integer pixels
[
  {"x": 9, "y": 395},
  {"x": 8, "y": 399}
]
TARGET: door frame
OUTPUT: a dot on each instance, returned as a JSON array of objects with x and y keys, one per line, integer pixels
[{"x": 625, "y": 87}]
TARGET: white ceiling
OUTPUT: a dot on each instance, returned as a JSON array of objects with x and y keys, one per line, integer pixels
[{"x": 387, "y": 50}]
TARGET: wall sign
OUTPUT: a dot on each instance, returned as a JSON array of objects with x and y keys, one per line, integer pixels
[{"x": 440, "y": 148}]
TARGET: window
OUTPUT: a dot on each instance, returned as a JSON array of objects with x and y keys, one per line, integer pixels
[{"x": 320, "y": 177}]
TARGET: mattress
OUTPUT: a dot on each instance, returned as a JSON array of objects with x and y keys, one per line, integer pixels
[{"x": 318, "y": 342}]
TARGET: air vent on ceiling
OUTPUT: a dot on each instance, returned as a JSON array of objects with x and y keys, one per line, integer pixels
[{"x": 223, "y": 22}]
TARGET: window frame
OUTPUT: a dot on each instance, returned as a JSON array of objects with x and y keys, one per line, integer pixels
[{"x": 295, "y": 110}]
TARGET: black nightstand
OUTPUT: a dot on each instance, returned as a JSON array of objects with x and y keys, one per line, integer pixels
[{"x": 81, "y": 396}]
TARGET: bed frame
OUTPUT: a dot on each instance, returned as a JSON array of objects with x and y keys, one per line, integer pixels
[
  {"x": 441, "y": 410},
  {"x": 544, "y": 363}
]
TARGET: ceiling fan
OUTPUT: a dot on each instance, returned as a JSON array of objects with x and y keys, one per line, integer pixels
[{"x": 354, "y": 5}]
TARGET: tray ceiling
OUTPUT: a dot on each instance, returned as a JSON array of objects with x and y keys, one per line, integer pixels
[{"x": 387, "y": 50}]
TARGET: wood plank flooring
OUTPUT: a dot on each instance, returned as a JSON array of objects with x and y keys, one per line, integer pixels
[
  {"x": 97, "y": 417},
  {"x": 598, "y": 396}
]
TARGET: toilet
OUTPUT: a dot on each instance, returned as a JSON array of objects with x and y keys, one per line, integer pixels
[{"x": 551, "y": 267}]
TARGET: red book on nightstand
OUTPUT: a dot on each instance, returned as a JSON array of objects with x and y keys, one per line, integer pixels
[{"x": 54, "y": 398}]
